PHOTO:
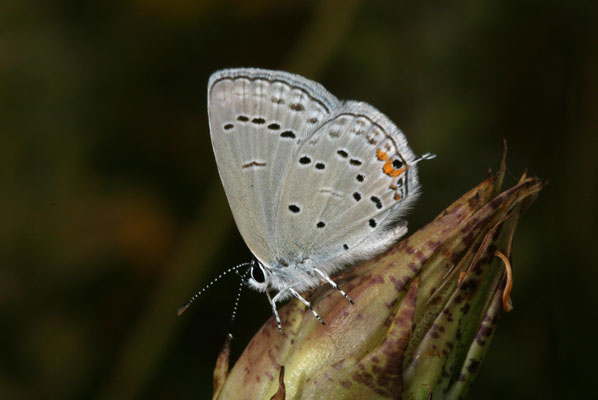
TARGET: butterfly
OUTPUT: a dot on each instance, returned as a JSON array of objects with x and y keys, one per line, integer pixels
[{"x": 314, "y": 183}]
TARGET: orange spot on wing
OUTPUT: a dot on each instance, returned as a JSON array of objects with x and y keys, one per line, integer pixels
[
  {"x": 391, "y": 171},
  {"x": 382, "y": 156},
  {"x": 397, "y": 197},
  {"x": 393, "y": 187}
]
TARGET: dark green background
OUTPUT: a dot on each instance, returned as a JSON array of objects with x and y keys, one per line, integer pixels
[{"x": 112, "y": 213}]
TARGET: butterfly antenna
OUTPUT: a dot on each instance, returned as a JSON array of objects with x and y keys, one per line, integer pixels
[
  {"x": 206, "y": 287},
  {"x": 236, "y": 306}
]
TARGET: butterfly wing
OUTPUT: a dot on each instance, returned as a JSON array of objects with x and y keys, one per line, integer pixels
[
  {"x": 258, "y": 118},
  {"x": 352, "y": 180}
]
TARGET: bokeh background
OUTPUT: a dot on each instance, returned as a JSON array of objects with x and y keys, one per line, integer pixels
[{"x": 112, "y": 213}]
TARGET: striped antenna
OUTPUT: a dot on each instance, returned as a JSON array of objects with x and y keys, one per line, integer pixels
[
  {"x": 236, "y": 306},
  {"x": 206, "y": 287}
]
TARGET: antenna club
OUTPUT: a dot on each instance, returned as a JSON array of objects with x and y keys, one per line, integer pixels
[{"x": 182, "y": 309}]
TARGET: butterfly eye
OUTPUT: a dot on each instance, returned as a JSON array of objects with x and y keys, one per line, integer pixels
[{"x": 258, "y": 274}]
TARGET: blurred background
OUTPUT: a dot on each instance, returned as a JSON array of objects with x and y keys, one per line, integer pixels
[{"x": 112, "y": 213}]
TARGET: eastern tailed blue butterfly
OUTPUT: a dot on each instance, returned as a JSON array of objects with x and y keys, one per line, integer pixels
[{"x": 314, "y": 183}]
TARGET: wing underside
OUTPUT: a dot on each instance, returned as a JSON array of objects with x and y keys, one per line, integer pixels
[{"x": 306, "y": 176}]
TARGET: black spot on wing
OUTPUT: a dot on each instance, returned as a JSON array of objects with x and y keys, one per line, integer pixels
[
  {"x": 288, "y": 135},
  {"x": 297, "y": 107},
  {"x": 396, "y": 164},
  {"x": 376, "y": 201},
  {"x": 304, "y": 160}
]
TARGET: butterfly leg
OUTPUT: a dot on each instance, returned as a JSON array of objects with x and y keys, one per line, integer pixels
[
  {"x": 275, "y": 311},
  {"x": 297, "y": 295},
  {"x": 334, "y": 285}
]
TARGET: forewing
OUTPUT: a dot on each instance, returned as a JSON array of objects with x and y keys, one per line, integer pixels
[
  {"x": 257, "y": 120},
  {"x": 352, "y": 180}
]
